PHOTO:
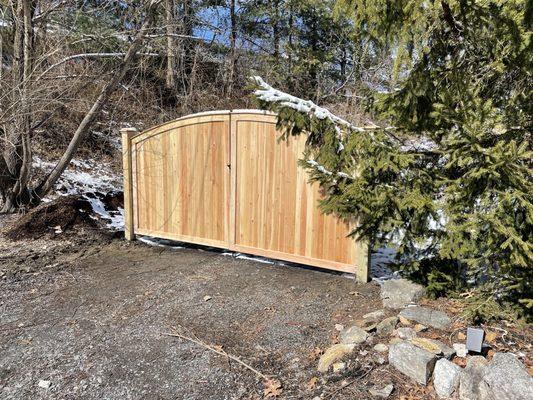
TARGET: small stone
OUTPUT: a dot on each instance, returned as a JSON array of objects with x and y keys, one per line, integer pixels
[
  {"x": 339, "y": 327},
  {"x": 461, "y": 336},
  {"x": 434, "y": 346},
  {"x": 412, "y": 361},
  {"x": 333, "y": 354},
  {"x": 404, "y": 321},
  {"x": 386, "y": 326},
  {"x": 507, "y": 378},
  {"x": 405, "y": 333},
  {"x": 338, "y": 366},
  {"x": 471, "y": 384},
  {"x": 397, "y": 293},
  {"x": 420, "y": 328},
  {"x": 381, "y": 348},
  {"x": 427, "y": 316},
  {"x": 491, "y": 336},
  {"x": 383, "y": 392},
  {"x": 460, "y": 350},
  {"x": 44, "y": 384},
  {"x": 446, "y": 377},
  {"x": 395, "y": 340},
  {"x": 375, "y": 315},
  {"x": 207, "y": 298},
  {"x": 366, "y": 325},
  {"x": 353, "y": 335}
]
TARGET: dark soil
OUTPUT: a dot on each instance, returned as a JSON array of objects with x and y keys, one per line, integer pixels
[
  {"x": 90, "y": 313},
  {"x": 63, "y": 212}
]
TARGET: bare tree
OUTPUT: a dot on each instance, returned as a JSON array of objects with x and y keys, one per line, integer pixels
[
  {"x": 15, "y": 170},
  {"x": 171, "y": 51},
  {"x": 232, "y": 60}
]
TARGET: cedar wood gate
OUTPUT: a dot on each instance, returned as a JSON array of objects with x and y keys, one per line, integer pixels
[{"x": 223, "y": 179}]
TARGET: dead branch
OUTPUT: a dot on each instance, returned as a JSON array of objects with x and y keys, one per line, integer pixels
[
  {"x": 220, "y": 352},
  {"x": 88, "y": 55}
]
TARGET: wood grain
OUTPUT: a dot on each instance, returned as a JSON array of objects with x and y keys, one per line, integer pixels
[{"x": 224, "y": 179}]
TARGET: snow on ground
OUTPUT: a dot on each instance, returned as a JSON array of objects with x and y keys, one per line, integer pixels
[
  {"x": 90, "y": 179},
  {"x": 379, "y": 270}
]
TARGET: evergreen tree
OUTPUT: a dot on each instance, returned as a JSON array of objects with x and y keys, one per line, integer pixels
[{"x": 450, "y": 180}]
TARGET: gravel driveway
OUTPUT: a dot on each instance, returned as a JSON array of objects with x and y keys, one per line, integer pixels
[{"x": 95, "y": 328}]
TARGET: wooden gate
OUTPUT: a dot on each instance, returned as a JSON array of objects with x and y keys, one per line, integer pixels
[{"x": 224, "y": 179}]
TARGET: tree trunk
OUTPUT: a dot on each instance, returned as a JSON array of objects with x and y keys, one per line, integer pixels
[
  {"x": 171, "y": 51},
  {"x": 232, "y": 54},
  {"x": 46, "y": 185},
  {"x": 19, "y": 165}
]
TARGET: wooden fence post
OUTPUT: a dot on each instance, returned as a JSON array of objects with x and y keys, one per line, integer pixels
[
  {"x": 363, "y": 261},
  {"x": 127, "y": 134}
]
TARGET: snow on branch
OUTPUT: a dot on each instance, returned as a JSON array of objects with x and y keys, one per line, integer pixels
[
  {"x": 323, "y": 170},
  {"x": 269, "y": 94}
]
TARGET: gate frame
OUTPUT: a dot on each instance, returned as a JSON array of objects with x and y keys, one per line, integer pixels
[{"x": 362, "y": 264}]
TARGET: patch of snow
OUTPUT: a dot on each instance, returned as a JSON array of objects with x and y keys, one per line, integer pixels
[
  {"x": 269, "y": 94},
  {"x": 114, "y": 141},
  {"x": 90, "y": 180},
  {"x": 258, "y": 259},
  {"x": 152, "y": 241}
]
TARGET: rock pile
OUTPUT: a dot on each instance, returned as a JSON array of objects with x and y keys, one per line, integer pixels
[{"x": 424, "y": 359}]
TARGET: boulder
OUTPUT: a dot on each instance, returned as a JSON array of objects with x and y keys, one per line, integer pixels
[
  {"x": 383, "y": 392},
  {"x": 412, "y": 361},
  {"x": 353, "y": 335},
  {"x": 397, "y": 293},
  {"x": 366, "y": 324},
  {"x": 405, "y": 333},
  {"x": 434, "y": 346},
  {"x": 374, "y": 316},
  {"x": 427, "y": 316},
  {"x": 446, "y": 378},
  {"x": 386, "y": 327},
  {"x": 471, "y": 384},
  {"x": 333, "y": 354},
  {"x": 507, "y": 378}
]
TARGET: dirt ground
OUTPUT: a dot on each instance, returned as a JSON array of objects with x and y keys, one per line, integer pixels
[{"x": 89, "y": 313}]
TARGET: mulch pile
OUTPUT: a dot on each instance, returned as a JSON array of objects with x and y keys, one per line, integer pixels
[{"x": 56, "y": 216}]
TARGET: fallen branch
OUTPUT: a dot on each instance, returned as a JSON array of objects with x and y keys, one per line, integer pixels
[{"x": 218, "y": 351}]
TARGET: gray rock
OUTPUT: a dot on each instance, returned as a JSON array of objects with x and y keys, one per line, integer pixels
[
  {"x": 374, "y": 316},
  {"x": 353, "y": 335},
  {"x": 383, "y": 393},
  {"x": 405, "y": 333},
  {"x": 412, "y": 361},
  {"x": 471, "y": 384},
  {"x": 44, "y": 384},
  {"x": 386, "y": 327},
  {"x": 460, "y": 349},
  {"x": 397, "y": 293},
  {"x": 446, "y": 378},
  {"x": 381, "y": 348},
  {"x": 427, "y": 316},
  {"x": 434, "y": 346},
  {"x": 508, "y": 378}
]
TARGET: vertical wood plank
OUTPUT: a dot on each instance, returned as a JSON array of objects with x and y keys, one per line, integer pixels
[{"x": 127, "y": 134}]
